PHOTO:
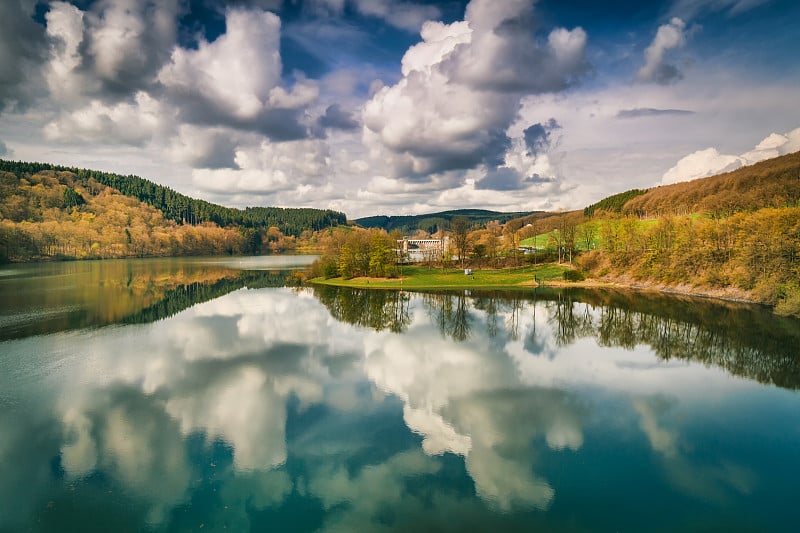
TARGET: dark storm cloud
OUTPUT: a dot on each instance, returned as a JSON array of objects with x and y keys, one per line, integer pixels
[
  {"x": 495, "y": 147},
  {"x": 4, "y": 150},
  {"x": 509, "y": 179},
  {"x": 22, "y": 51},
  {"x": 121, "y": 45},
  {"x": 282, "y": 124},
  {"x": 275, "y": 124},
  {"x": 536, "y": 179},
  {"x": 509, "y": 59},
  {"x": 337, "y": 118},
  {"x": 651, "y": 112},
  {"x": 500, "y": 179},
  {"x": 221, "y": 155},
  {"x": 537, "y": 136},
  {"x": 489, "y": 148}
]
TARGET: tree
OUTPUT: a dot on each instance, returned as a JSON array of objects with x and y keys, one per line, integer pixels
[
  {"x": 381, "y": 254},
  {"x": 460, "y": 227},
  {"x": 492, "y": 238},
  {"x": 567, "y": 230},
  {"x": 511, "y": 237},
  {"x": 586, "y": 233},
  {"x": 72, "y": 198}
]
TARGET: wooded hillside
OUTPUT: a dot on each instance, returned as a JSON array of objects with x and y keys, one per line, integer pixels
[
  {"x": 771, "y": 183},
  {"x": 184, "y": 209},
  {"x": 53, "y": 214},
  {"x": 735, "y": 234}
]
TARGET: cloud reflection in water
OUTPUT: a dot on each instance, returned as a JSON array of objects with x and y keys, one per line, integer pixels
[{"x": 271, "y": 377}]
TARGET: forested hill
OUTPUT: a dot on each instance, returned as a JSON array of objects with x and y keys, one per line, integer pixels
[
  {"x": 771, "y": 183},
  {"x": 184, "y": 209},
  {"x": 434, "y": 222},
  {"x": 613, "y": 203}
]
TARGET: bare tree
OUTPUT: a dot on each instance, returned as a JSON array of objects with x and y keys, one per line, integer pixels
[{"x": 460, "y": 227}]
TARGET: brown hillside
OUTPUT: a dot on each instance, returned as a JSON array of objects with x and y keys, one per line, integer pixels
[{"x": 771, "y": 183}]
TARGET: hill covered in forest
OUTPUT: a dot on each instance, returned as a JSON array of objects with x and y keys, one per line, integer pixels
[
  {"x": 184, "y": 209},
  {"x": 434, "y": 222},
  {"x": 771, "y": 183},
  {"x": 49, "y": 211},
  {"x": 735, "y": 234}
]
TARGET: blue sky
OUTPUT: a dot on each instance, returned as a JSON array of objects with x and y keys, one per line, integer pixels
[{"x": 397, "y": 107}]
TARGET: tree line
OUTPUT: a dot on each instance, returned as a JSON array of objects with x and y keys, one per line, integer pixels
[
  {"x": 352, "y": 252},
  {"x": 435, "y": 222}
]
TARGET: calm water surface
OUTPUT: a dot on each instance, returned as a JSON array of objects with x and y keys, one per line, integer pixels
[{"x": 203, "y": 395}]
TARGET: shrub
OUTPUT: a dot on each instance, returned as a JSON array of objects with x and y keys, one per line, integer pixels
[
  {"x": 573, "y": 275},
  {"x": 789, "y": 303}
]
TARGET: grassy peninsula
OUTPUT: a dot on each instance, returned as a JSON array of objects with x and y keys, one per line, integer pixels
[{"x": 421, "y": 277}]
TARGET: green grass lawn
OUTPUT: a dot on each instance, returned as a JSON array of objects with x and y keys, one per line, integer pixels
[
  {"x": 542, "y": 241},
  {"x": 415, "y": 277},
  {"x": 539, "y": 241}
]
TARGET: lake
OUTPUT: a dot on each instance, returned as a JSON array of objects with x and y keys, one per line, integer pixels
[{"x": 205, "y": 395}]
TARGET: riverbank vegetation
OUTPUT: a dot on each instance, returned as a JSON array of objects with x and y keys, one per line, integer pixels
[{"x": 736, "y": 236}]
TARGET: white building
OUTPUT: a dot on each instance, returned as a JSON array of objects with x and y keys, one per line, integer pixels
[{"x": 421, "y": 250}]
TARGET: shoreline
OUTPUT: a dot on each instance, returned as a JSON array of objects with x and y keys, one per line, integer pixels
[{"x": 733, "y": 295}]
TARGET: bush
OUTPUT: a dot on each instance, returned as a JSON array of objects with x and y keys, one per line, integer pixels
[
  {"x": 324, "y": 267},
  {"x": 573, "y": 275},
  {"x": 329, "y": 267},
  {"x": 789, "y": 303},
  {"x": 295, "y": 278},
  {"x": 590, "y": 261}
]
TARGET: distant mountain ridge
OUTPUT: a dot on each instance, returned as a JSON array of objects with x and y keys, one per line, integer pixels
[{"x": 432, "y": 222}]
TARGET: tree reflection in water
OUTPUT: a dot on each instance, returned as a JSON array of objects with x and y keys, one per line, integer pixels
[
  {"x": 375, "y": 309},
  {"x": 490, "y": 410},
  {"x": 743, "y": 339}
]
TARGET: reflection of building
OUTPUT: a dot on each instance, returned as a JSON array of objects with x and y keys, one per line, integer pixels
[{"x": 421, "y": 250}]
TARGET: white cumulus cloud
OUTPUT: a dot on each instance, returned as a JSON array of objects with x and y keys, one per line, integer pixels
[
  {"x": 65, "y": 25},
  {"x": 461, "y": 89},
  {"x": 700, "y": 164},
  {"x": 135, "y": 122},
  {"x": 668, "y": 37},
  {"x": 710, "y": 161},
  {"x": 235, "y": 73},
  {"x": 268, "y": 168}
]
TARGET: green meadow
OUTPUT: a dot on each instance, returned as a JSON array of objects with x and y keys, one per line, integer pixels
[{"x": 419, "y": 277}]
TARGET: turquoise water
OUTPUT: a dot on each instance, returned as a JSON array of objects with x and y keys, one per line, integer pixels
[{"x": 190, "y": 395}]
